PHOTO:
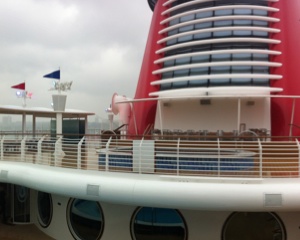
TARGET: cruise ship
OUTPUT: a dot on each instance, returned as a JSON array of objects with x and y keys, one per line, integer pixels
[{"x": 206, "y": 149}]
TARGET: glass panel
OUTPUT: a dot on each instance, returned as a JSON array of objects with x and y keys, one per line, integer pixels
[
  {"x": 181, "y": 73},
  {"x": 203, "y": 25},
  {"x": 223, "y": 23},
  {"x": 182, "y": 61},
  {"x": 174, "y": 21},
  {"x": 169, "y": 63},
  {"x": 261, "y": 69},
  {"x": 206, "y": 35},
  {"x": 158, "y": 224},
  {"x": 167, "y": 75},
  {"x": 200, "y": 82},
  {"x": 165, "y": 86},
  {"x": 260, "y": 34},
  {"x": 204, "y": 15},
  {"x": 182, "y": 84},
  {"x": 185, "y": 38},
  {"x": 173, "y": 32},
  {"x": 219, "y": 82},
  {"x": 241, "y": 69},
  {"x": 222, "y": 33},
  {"x": 220, "y": 70},
  {"x": 241, "y": 81},
  {"x": 242, "y": 33},
  {"x": 253, "y": 225},
  {"x": 241, "y": 56},
  {"x": 199, "y": 71},
  {"x": 85, "y": 219},
  {"x": 186, "y": 28},
  {"x": 221, "y": 57},
  {"x": 242, "y": 11},
  {"x": 44, "y": 208},
  {"x": 261, "y": 82},
  {"x": 241, "y": 22},
  {"x": 223, "y": 12},
  {"x": 260, "y": 12},
  {"x": 171, "y": 42},
  {"x": 260, "y": 23},
  {"x": 187, "y": 18},
  {"x": 200, "y": 58},
  {"x": 21, "y": 204},
  {"x": 5, "y": 202},
  {"x": 260, "y": 57}
]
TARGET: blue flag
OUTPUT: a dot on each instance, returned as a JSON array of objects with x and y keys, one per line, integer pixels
[{"x": 55, "y": 74}]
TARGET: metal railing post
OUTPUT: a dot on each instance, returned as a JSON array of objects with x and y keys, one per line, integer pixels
[
  {"x": 39, "y": 148},
  {"x": 58, "y": 152},
  {"x": 2, "y": 148},
  {"x": 107, "y": 154},
  {"x": 178, "y": 152},
  {"x": 298, "y": 144},
  {"x": 219, "y": 157},
  {"x": 260, "y": 159},
  {"x": 79, "y": 153},
  {"x": 23, "y": 146},
  {"x": 140, "y": 156}
]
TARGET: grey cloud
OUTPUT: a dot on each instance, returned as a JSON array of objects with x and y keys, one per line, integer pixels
[{"x": 98, "y": 45}]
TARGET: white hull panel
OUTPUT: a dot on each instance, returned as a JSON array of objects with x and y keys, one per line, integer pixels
[{"x": 209, "y": 194}]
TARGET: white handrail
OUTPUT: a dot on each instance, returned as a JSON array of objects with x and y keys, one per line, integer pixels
[{"x": 177, "y": 156}]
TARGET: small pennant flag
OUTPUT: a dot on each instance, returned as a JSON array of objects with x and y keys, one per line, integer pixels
[
  {"x": 55, "y": 74},
  {"x": 20, "y": 86}
]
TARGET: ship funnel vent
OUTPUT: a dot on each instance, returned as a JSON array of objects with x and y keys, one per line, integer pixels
[
  {"x": 273, "y": 200},
  {"x": 205, "y": 102},
  {"x": 93, "y": 190},
  {"x": 123, "y": 109},
  {"x": 3, "y": 174}
]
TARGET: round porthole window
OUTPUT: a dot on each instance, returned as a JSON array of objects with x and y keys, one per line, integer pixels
[
  {"x": 158, "y": 224},
  {"x": 85, "y": 219},
  {"x": 254, "y": 226},
  {"x": 45, "y": 208}
]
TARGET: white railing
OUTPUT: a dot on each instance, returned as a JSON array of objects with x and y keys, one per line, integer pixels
[{"x": 211, "y": 158}]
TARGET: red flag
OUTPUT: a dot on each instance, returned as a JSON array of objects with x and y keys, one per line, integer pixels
[{"x": 19, "y": 86}]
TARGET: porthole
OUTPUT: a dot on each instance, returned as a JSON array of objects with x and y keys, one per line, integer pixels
[
  {"x": 253, "y": 225},
  {"x": 158, "y": 224},
  {"x": 45, "y": 208},
  {"x": 85, "y": 219}
]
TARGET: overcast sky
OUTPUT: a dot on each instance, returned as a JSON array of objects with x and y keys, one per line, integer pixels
[{"x": 97, "y": 44}]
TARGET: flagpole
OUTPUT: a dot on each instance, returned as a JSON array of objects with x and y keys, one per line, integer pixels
[
  {"x": 59, "y": 90},
  {"x": 24, "y": 99}
]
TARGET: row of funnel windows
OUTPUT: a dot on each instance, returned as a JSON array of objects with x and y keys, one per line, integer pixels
[
  {"x": 226, "y": 57},
  {"x": 214, "y": 3},
  {"x": 210, "y": 34},
  {"x": 223, "y": 69}
]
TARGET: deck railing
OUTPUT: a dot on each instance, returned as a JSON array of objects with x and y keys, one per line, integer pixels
[{"x": 181, "y": 157}]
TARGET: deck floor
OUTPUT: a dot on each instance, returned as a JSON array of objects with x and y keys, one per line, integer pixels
[{"x": 21, "y": 232}]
